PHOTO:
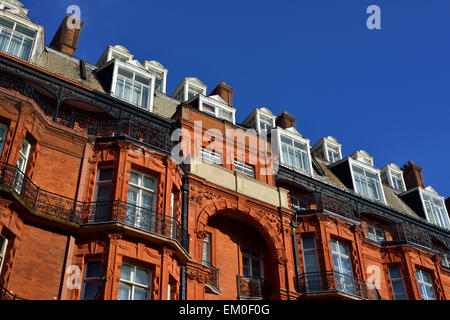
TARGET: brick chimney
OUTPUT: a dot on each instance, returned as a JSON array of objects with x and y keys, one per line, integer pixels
[
  {"x": 285, "y": 120},
  {"x": 66, "y": 38},
  {"x": 225, "y": 92},
  {"x": 412, "y": 174}
]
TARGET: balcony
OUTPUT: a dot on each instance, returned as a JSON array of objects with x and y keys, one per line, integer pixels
[
  {"x": 89, "y": 213},
  {"x": 252, "y": 288},
  {"x": 213, "y": 281},
  {"x": 334, "y": 284}
]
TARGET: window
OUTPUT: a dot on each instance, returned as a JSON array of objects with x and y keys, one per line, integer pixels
[
  {"x": 294, "y": 153},
  {"x": 102, "y": 195},
  {"x": 333, "y": 153},
  {"x": 397, "y": 181},
  {"x": 141, "y": 201},
  {"x": 297, "y": 203},
  {"x": 211, "y": 156},
  {"x": 244, "y": 168},
  {"x": 134, "y": 283},
  {"x": 133, "y": 88},
  {"x": 435, "y": 210},
  {"x": 206, "y": 254},
  {"x": 92, "y": 280},
  {"x": 251, "y": 264},
  {"x": 159, "y": 80},
  {"x": 265, "y": 123},
  {"x": 209, "y": 109},
  {"x": 21, "y": 165},
  {"x": 375, "y": 234},
  {"x": 3, "y": 245},
  {"x": 193, "y": 91},
  {"x": 3, "y": 131},
  {"x": 398, "y": 286},
  {"x": 342, "y": 266},
  {"x": 227, "y": 115},
  {"x": 367, "y": 183},
  {"x": 425, "y": 284},
  {"x": 16, "y": 39},
  {"x": 311, "y": 264}
]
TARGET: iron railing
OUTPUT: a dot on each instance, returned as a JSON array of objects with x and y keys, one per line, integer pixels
[
  {"x": 86, "y": 213},
  {"x": 138, "y": 128},
  {"x": 214, "y": 278},
  {"x": 6, "y": 295},
  {"x": 252, "y": 288},
  {"x": 331, "y": 281}
]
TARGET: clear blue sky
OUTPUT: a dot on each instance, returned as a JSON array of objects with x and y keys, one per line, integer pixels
[{"x": 384, "y": 91}]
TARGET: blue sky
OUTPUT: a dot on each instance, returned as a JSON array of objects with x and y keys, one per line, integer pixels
[{"x": 384, "y": 91}]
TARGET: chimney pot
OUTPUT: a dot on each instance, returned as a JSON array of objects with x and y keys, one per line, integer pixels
[
  {"x": 225, "y": 92},
  {"x": 66, "y": 39},
  {"x": 285, "y": 120},
  {"x": 412, "y": 174}
]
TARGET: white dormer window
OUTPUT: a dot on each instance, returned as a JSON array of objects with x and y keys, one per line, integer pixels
[
  {"x": 328, "y": 149},
  {"x": 216, "y": 107},
  {"x": 189, "y": 88},
  {"x": 133, "y": 88},
  {"x": 434, "y": 206},
  {"x": 333, "y": 153},
  {"x": 15, "y": 39},
  {"x": 295, "y": 153},
  {"x": 367, "y": 181},
  {"x": 160, "y": 73},
  {"x": 392, "y": 175},
  {"x": 265, "y": 123},
  {"x": 262, "y": 120}
]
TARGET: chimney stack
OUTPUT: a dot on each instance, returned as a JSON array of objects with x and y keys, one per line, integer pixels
[
  {"x": 67, "y": 37},
  {"x": 412, "y": 174},
  {"x": 225, "y": 92},
  {"x": 285, "y": 120}
]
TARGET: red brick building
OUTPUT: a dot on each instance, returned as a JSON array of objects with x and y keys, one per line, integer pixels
[{"x": 96, "y": 204}]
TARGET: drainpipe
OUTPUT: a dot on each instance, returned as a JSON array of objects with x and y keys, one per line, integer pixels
[
  {"x": 294, "y": 226},
  {"x": 184, "y": 224}
]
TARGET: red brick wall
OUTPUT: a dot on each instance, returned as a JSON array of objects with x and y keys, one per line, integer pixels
[{"x": 38, "y": 264}]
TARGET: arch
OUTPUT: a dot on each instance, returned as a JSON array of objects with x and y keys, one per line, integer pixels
[{"x": 268, "y": 225}]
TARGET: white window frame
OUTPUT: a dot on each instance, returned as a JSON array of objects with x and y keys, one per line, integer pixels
[
  {"x": 443, "y": 220},
  {"x": 182, "y": 92},
  {"x": 244, "y": 168},
  {"x": 374, "y": 233},
  {"x": 252, "y": 255},
  {"x": 297, "y": 139},
  {"x": 103, "y": 182},
  {"x": 206, "y": 250},
  {"x": 259, "y": 122},
  {"x": 314, "y": 250},
  {"x": 211, "y": 156},
  {"x": 370, "y": 169},
  {"x": 405, "y": 294},
  {"x": 24, "y": 155},
  {"x": 3, "y": 138},
  {"x": 219, "y": 108},
  {"x": 13, "y": 31},
  {"x": 3, "y": 247},
  {"x": 326, "y": 146},
  {"x": 421, "y": 282},
  {"x": 140, "y": 210},
  {"x": 131, "y": 283},
  {"x": 136, "y": 71}
]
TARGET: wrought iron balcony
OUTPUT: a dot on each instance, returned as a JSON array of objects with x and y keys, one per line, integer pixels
[
  {"x": 87, "y": 213},
  {"x": 252, "y": 288},
  {"x": 213, "y": 280},
  {"x": 6, "y": 295},
  {"x": 335, "y": 282}
]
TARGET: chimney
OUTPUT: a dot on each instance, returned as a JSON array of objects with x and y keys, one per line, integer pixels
[
  {"x": 225, "y": 92},
  {"x": 67, "y": 37},
  {"x": 285, "y": 120},
  {"x": 412, "y": 174}
]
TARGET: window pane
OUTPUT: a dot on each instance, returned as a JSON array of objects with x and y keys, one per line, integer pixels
[
  {"x": 119, "y": 87},
  {"x": 15, "y": 45},
  {"x": 26, "y": 49},
  {"x": 105, "y": 175},
  {"x": 125, "y": 73},
  {"x": 142, "y": 80},
  {"x": 134, "y": 178},
  {"x": 395, "y": 272},
  {"x": 308, "y": 243},
  {"x": 124, "y": 292},
  {"x": 149, "y": 183},
  {"x": 141, "y": 276},
  {"x": 94, "y": 269},
  {"x": 90, "y": 290},
  {"x": 140, "y": 294},
  {"x": 125, "y": 272},
  {"x": 6, "y": 23},
  {"x": 5, "y": 35},
  {"x": 145, "y": 95}
]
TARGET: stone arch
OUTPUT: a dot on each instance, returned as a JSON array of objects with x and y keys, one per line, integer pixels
[{"x": 269, "y": 226}]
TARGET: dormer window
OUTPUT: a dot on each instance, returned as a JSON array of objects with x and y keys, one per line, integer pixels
[
  {"x": 157, "y": 69},
  {"x": 216, "y": 107},
  {"x": 392, "y": 175},
  {"x": 294, "y": 153},
  {"x": 262, "y": 120},
  {"x": 328, "y": 149},
  {"x": 193, "y": 91},
  {"x": 133, "y": 88},
  {"x": 333, "y": 153},
  {"x": 188, "y": 89},
  {"x": 119, "y": 57},
  {"x": 367, "y": 182},
  {"x": 435, "y": 210},
  {"x": 265, "y": 123},
  {"x": 15, "y": 39}
]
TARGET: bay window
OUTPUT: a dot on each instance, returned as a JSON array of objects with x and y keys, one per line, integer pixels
[
  {"x": 134, "y": 283},
  {"x": 295, "y": 153},
  {"x": 342, "y": 266},
  {"x": 367, "y": 183},
  {"x": 311, "y": 264},
  {"x": 133, "y": 88},
  {"x": 15, "y": 39}
]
